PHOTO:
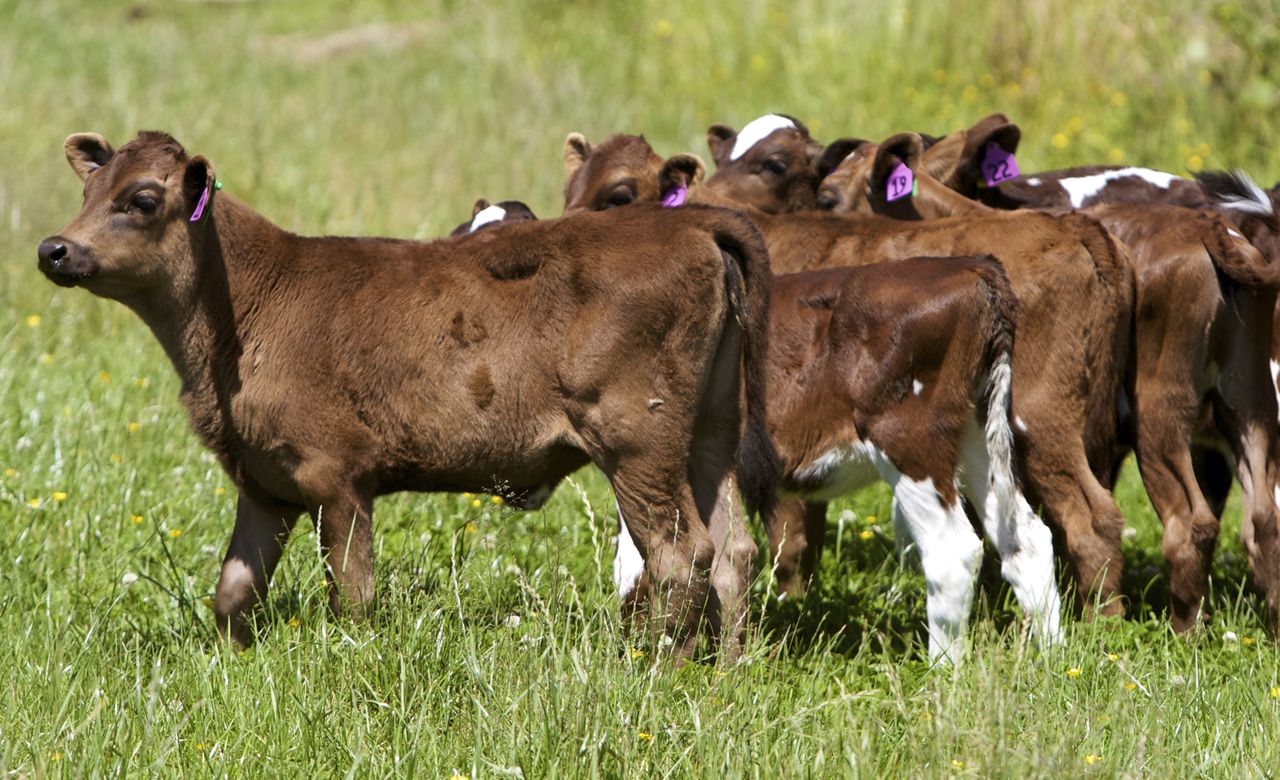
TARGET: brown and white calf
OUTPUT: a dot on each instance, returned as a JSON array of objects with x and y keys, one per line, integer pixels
[
  {"x": 901, "y": 372},
  {"x": 1074, "y": 283},
  {"x": 326, "y": 371},
  {"x": 1204, "y": 397}
]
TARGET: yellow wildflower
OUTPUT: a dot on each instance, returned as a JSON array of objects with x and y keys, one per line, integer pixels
[
  {"x": 1130, "y": 685},
  {"x": 1247, "y": 641},
  {"x": 1112, "y": 657},
  {"x": 1275, "y": 691},
  {"x": 58, "y": 495},
  {"x": 1073, "y": 672},
  {"x": 495, "y": 499},
  {"x": 220, "y": 491},
  {"x": 117, "y": 457},
  {"x": 871, "y": 519},
  {"x": 1092, "y": 759},
  {"x": 1059, "y": 141},
  {"x": 471, "y": 527},
  {"x": 57, "y": 754},
  {"x": 174, "y": 533},
  {"x": 10, "y": 473},
  {"x": 203, "y": 746},
  {"x": 33, "y": 320},
  {"x": 104, "y": 376},
  {"x": 134, "y": 427},
  {"x": 468, "y": 496},
  {"x": 1195, "y": 163},
  {"x": 46, "y": 359},
  {"x": 867, "y": 535},
  {"x": 136, "y": 519},
  {"x": 475, "y": 503},
  {"x": 636, "y": 654},
  {"x": 957, "y": 764},
  {"x": 645, "y": 736},
  {"x": 34, "y": 503},
  {"x": 294, "y": 622},
  {"x": 664, "y": 28}
]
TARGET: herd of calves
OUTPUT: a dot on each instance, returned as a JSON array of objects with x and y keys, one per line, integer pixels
[{"x": 806, "y": 321}]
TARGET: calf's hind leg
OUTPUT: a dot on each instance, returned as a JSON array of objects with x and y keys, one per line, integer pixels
[
  {"x": 345, "y": 524},
  {"x": 257, "y": 543},
  {"x": 657, "y": 505},
  {"x": 796, "y": 530}
]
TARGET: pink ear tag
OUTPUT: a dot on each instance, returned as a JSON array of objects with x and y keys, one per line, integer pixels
[
  {"x": 998, "y": 165},
  {"x": 900, "y": 184},
  {"x": 675, "y": 198},
  {"x": 200, "y": 204}
]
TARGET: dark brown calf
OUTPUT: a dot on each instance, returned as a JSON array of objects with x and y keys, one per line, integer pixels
[
  {"x": 1075, "y": 286},
  {"x": 485, "y": 214},
  {"x": 1204, "y": 349},
  {"x": 327, "y": 371}
]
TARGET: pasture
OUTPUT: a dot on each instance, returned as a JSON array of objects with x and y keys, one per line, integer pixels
[{"x": 497, "y": 649}]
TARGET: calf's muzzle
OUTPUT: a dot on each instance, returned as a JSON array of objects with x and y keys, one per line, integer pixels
[{"x": 64, "y": 262}]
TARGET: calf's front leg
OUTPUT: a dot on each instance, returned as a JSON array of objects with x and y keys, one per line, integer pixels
[{"x": 256, "y": 546}]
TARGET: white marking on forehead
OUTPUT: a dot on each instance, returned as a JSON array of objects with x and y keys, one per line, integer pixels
[
  {"x": 756, "y": 131},
  {"x": 916, "y": 386},
  {"x": 485, "y": 216},
  {"x": 1081, "y": 188}
]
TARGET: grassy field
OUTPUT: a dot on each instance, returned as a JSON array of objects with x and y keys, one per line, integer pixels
[{"x": 497, "y": 651}]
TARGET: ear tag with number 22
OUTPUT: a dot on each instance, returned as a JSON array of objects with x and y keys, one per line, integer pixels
[
  {"x": 998, "y": 165},
  {"x": 900, "y": 184}
]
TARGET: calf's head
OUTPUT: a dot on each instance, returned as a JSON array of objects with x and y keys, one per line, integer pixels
[
  {"x": 618, "y": 172},
  {"x": 486, "y": 215},
  {"x": 770, "y": 165},
  {"x": 142, "y": 205}
]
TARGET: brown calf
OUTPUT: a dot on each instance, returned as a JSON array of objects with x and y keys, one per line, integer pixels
[
  {"x": 770, "y": 164},
  {"x": 327, "y": 371},
  {"x": 1206, "y": 301},
  {"x": 1075, "y": 287}
]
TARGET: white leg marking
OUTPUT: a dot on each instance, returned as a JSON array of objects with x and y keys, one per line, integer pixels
[
  {"x": 628, "y": 564},
  {"x": 756, "y": 131},
  {"x": 1081, "y": 188},
  {"x": 1275, "y": 377},
  {"x": 949, "y": 554}
]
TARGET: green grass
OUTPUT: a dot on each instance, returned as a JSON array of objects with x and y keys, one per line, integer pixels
[{"x": 104, "y": 678}]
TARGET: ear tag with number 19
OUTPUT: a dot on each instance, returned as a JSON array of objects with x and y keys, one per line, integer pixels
[{"x": 900, "y": 184}]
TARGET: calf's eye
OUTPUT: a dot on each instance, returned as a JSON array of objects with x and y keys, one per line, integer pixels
[
  {"x": 143, "y": 203},
  {"x": 620, "y": 197},
  {"x": 775, "y": 165}
]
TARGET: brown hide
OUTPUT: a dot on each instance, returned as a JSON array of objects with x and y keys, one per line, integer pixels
[
  {"x": 326, "y": 371},
  {"x": 1204, "y": 341},
  {"x": 1075, "y": 287}
]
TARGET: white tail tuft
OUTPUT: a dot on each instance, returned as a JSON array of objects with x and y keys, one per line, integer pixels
[{"x": 1000, "y": 436}]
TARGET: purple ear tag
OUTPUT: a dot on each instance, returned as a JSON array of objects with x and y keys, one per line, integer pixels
[
  {"x": 675, "y": 198},
  {"x": 200, "y": 204},
  {"x": 900, "y": 184},
  {"x": 998, "y": 165}
]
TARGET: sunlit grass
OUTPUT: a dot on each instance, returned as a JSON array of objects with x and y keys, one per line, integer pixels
[{"x": 497, "y": 650}]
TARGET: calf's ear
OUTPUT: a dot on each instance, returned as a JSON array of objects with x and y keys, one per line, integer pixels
[
  {"x": 576, "y": 151},
  {"x": 479, "y": 206},
  {"x": 87, "y": 152},
  {"x": 944, "y": 158},
  {"x": 720, "y": 140},
  {"x": 681, "y": 170},
  {"x": 994, "y": 129},
  {"x": 835, "y": 153},
  {"x": 901, "y": 148},
  {"x": 198, "y": 186}
]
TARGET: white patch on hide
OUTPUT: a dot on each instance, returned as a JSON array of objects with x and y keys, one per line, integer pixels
[{"x": 1081, "y": 188}]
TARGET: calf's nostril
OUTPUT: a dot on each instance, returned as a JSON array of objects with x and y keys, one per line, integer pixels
[{"x": 52, "y": 251}]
